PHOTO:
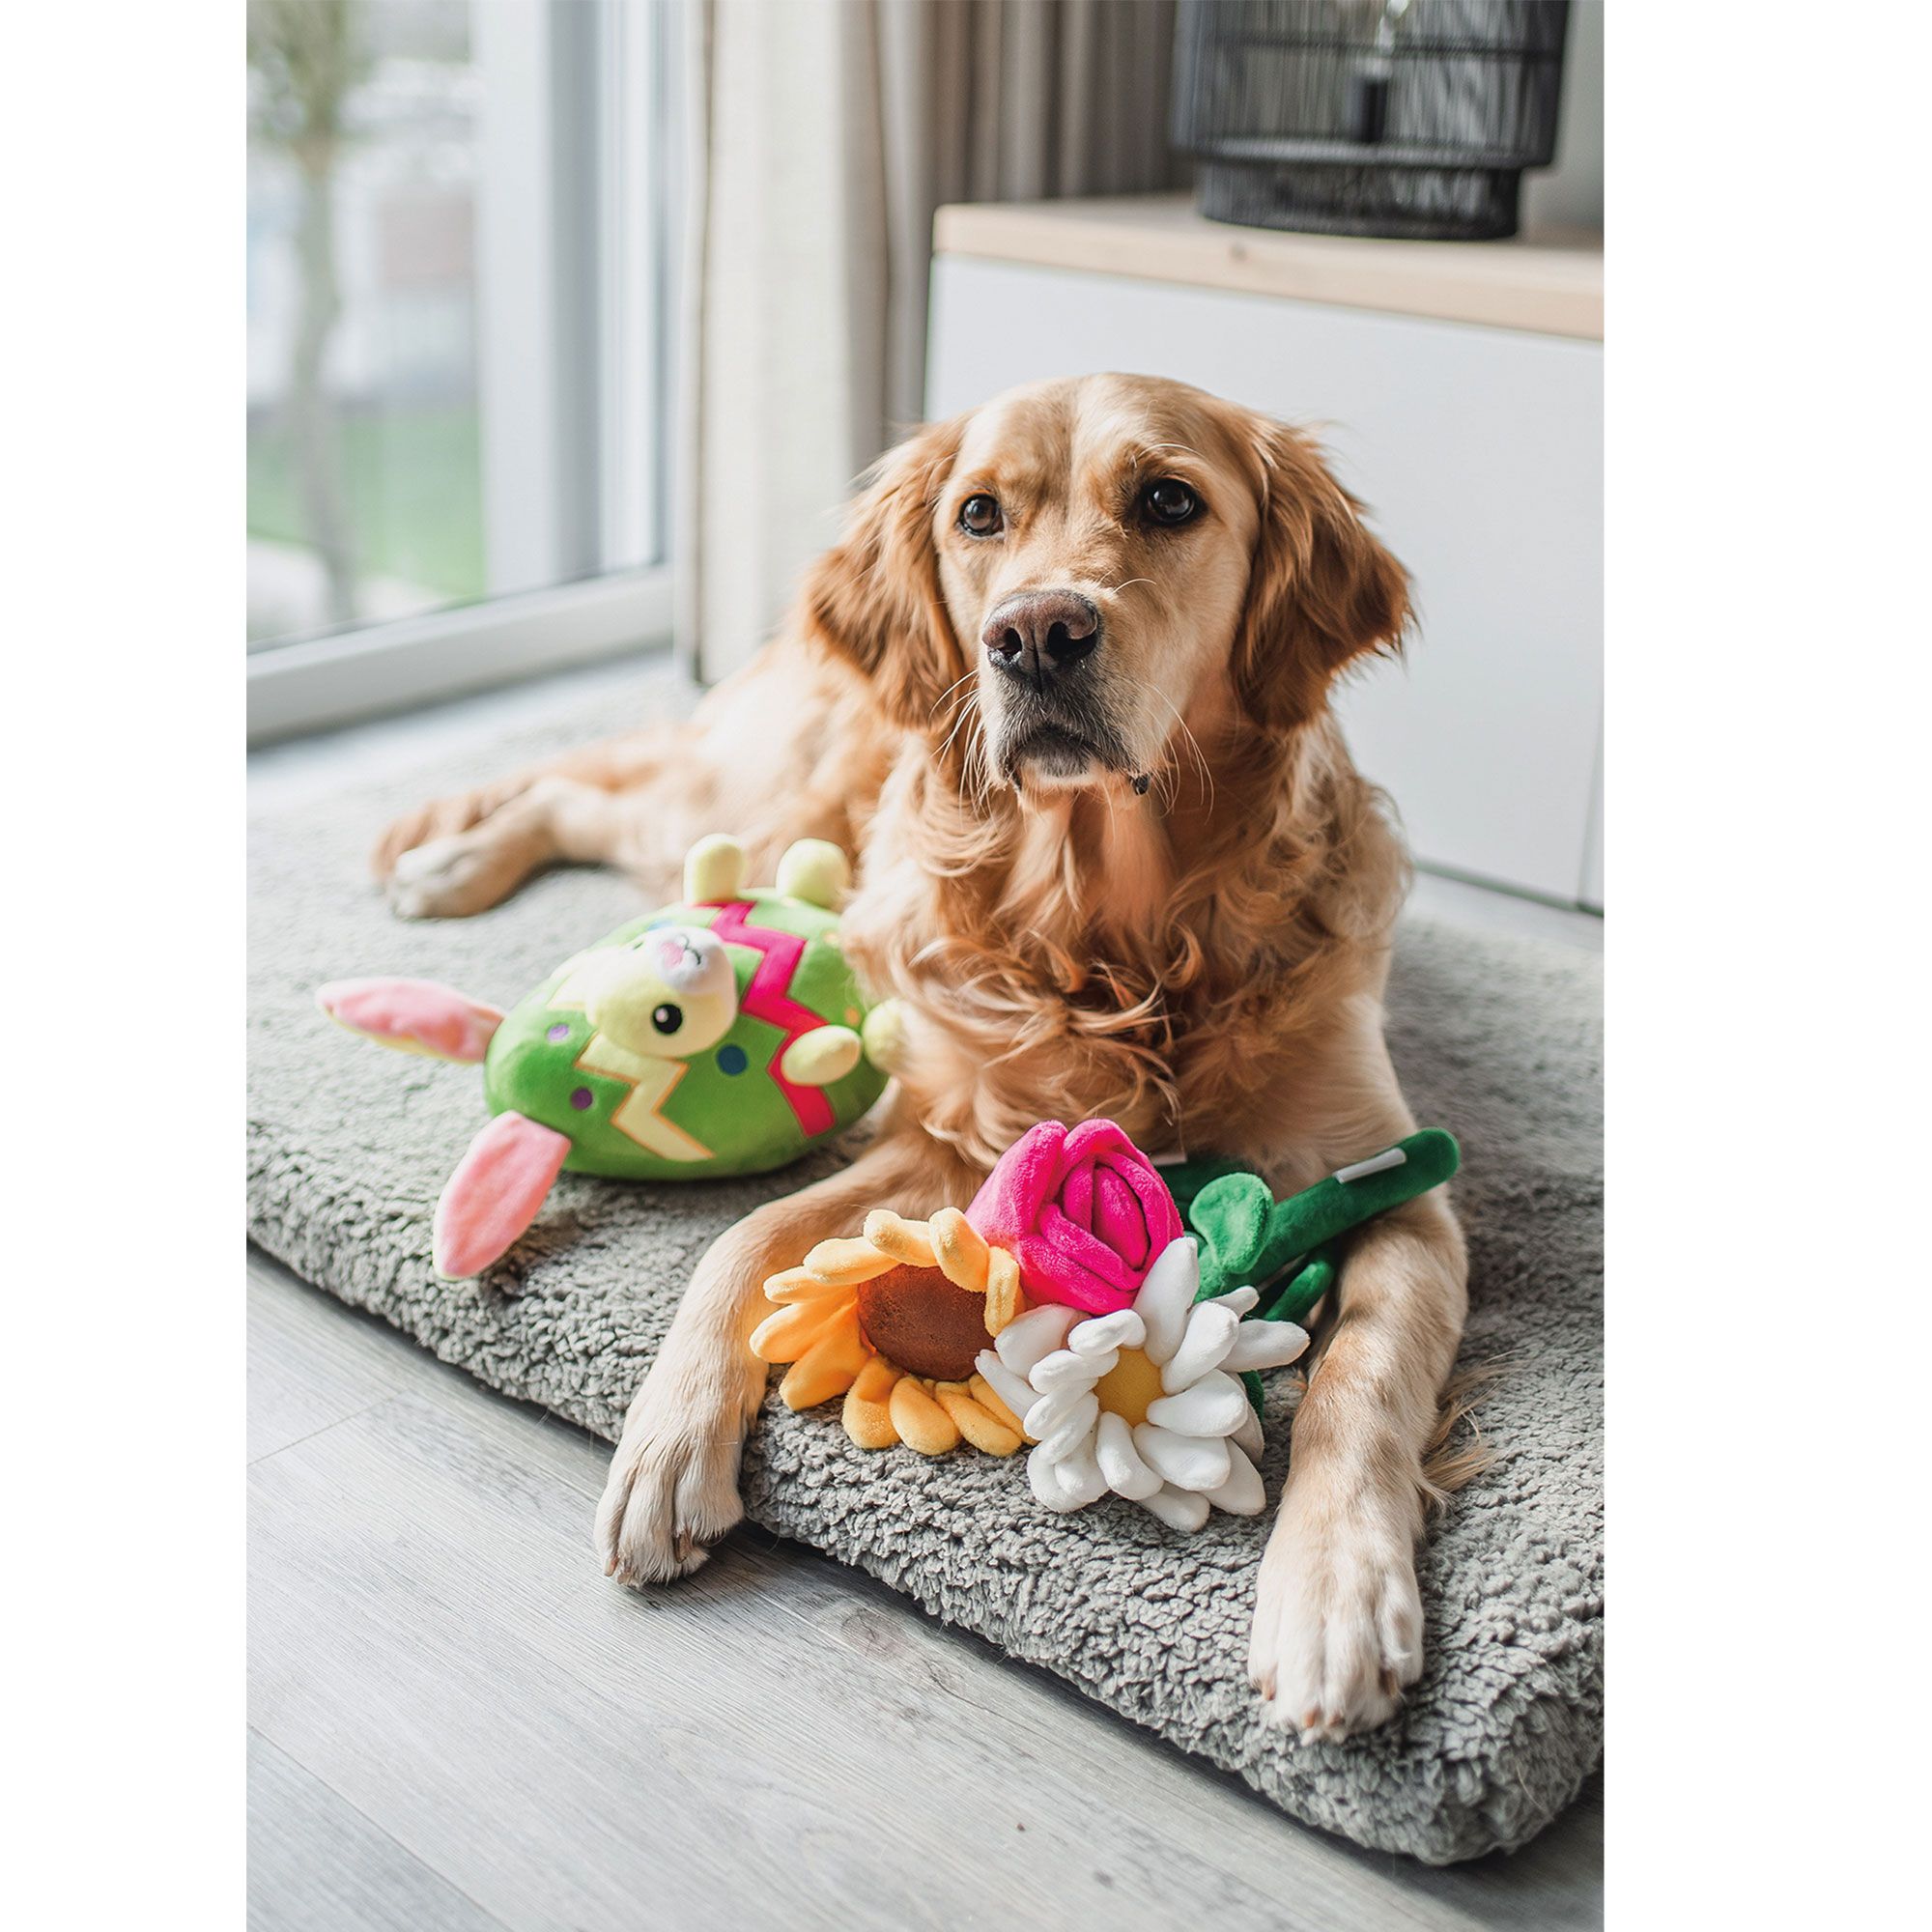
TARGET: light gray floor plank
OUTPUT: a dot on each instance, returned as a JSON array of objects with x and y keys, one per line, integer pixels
[
  {"x": 316, "y": 1864},
  {"x": 307, "y": 1367},
  {"x": 432, "y": 1644}
]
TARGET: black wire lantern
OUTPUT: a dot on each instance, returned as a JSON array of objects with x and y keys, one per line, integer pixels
[{"x": 1405, "y": 118}]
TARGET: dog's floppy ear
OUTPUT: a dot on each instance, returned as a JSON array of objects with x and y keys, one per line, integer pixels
[
  {"x": 1322, "y": 589},
  {"x": 875, "y": 597}
]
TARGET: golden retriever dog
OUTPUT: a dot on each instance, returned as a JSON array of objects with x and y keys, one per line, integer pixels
[{"x": 1063, "y": 691}]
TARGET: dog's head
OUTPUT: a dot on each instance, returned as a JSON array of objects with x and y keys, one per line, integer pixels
[{"x": 1091, "y": 562}]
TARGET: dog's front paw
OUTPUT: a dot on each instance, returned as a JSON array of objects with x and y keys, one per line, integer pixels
[
  {"x": 1338, "y": 1622},
  {"x": 440, "y": 818},
  {"x": 448, "y": 878},
  {"x": 672, "y": 1491}
]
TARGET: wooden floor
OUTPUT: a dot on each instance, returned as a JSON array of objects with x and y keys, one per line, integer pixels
[{"x": 457, "y": 1721}]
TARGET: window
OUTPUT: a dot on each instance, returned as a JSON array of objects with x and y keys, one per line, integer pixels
[{"x": 458, "y": 269}]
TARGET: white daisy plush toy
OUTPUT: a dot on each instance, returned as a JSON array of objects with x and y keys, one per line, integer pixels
[{"x": 1144, "y": 1401}]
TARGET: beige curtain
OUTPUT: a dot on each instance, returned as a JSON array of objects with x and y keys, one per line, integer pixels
[{"x": 825, "y": 133}]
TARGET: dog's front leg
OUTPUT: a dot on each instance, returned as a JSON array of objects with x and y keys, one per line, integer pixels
[
  {"x": 673, "y": 1485},
  {"x": 617, "y": 764},
  {"x": 1338, "y": 1619},
  {"x": 552, "y": 819}
]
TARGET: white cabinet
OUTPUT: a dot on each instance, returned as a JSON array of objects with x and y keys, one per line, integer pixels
[{"x": 1479, "y": 452}]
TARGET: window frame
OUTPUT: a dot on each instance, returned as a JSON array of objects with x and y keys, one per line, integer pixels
[
  {"x": 576, "y": 248},
  {"x": 314, "y": 684}
]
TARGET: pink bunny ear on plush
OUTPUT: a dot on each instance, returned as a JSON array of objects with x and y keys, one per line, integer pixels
[
  {"x": 413, "y": 1015},
  {"x": 495, "y": 1193}
]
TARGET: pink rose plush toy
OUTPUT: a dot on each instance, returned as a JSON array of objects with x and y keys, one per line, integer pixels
[{"x": 1085, "y": 1214}]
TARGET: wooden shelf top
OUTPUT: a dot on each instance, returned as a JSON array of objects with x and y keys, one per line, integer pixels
[{"x": 1550, "y": 282}]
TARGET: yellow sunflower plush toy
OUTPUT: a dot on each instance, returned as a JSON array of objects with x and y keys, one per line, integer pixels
[{"x": 894, "y": 1320}]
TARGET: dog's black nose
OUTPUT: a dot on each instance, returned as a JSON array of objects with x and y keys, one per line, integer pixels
[{"x": 1040, "y": 632}]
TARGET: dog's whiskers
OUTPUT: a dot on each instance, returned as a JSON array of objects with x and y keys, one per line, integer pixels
[
  {"x": 968, "y": 709},
  {"x": 950, "y": 690},
  {"x": 1194, "y": 747}
]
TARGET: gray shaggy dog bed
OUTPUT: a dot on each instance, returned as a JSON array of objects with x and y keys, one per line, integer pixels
[{"x": 1498, "y": 1040}]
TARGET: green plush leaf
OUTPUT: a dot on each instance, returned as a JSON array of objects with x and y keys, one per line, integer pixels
[{"x": 1231, "y": 1215}]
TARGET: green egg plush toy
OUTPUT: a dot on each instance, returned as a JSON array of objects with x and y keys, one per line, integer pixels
[{"x": 723, "y": 1036}]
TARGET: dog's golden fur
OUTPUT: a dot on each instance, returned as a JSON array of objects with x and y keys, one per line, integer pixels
[{"x": 1182, "y": 924}]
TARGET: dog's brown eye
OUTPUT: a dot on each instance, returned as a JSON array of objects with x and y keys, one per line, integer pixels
[
  {"x": 979, "y": 517},
  {"x": 1168, "y": 502}
]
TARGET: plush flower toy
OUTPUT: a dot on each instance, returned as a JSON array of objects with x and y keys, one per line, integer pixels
[
  {"x": 723, "y": 1036},
  {"x": 1070, "y": 1307}
]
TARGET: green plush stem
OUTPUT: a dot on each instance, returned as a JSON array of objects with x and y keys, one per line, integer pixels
[
  {"x": 1303, "y": 1288},
  {"x": 1331, "y": 1208}
]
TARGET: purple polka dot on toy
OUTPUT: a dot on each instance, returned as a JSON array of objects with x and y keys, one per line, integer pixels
[
  {"x": 560, "y": 1030},
  {"x": 580, "y": 1097}
]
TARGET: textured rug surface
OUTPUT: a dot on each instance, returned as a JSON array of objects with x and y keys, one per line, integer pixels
[{"x": 1496, "y": 1039}]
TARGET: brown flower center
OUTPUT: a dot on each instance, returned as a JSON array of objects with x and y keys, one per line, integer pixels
[{"x": 922, "y": 1323}]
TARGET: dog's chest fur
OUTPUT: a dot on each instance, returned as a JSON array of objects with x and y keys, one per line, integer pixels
[{"x": 1067, "y": 965}]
